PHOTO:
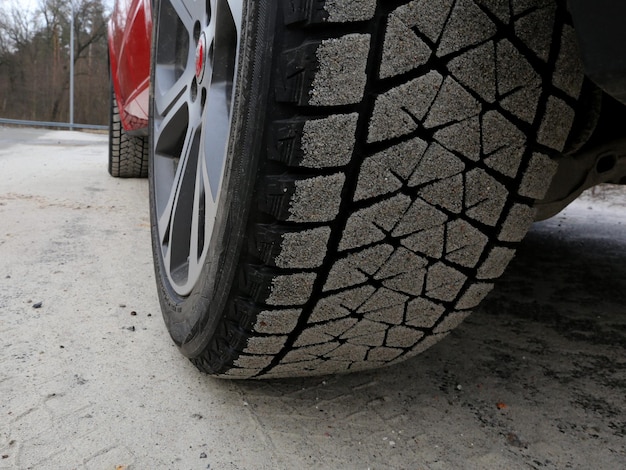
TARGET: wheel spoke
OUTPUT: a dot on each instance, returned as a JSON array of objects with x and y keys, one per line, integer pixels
[
  {"x": 169, "y": 99},
  {"x": 236, "y": 11},
  {"x": 198, "y": 223},
  {"x": 164, "y": 177},
  {"x": 190, "y": 11},
  {"x": 215, "y": 140}
]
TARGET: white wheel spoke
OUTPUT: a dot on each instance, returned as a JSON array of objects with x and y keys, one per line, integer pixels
[
  {"x": 236, "y": 9},
  {"x": 189, "y": 11},
  {"x": 167, "y": 216},
  {"x": 174, "y": 96}
]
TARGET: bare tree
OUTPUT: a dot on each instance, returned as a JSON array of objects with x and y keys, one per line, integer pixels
[{"x": 35, "y": 61}]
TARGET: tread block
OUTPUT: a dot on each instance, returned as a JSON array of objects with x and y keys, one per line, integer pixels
[
  {"x": 266, "y": 286},
  {"x": 462, "y": 137},
  {"x": 516, "y": 225},
  {"x": 397, "y": 112},
  {"x": 485, "y": 197},
  {"x": 297, "y": 68},
  {"x": 556, "y": 124},
  {"x": 450, "y": 322},
  {"x": 340, "y": 305},
  {"x": 536, "y": 30},
  {"x": 305, "y": 200},
  {"x": 420, "y": 216},
  {"x": 436, "y": 164},
  {"x": 403, "y": 50},
  {"x": 464, "y": 243},
  {"x": 277, "y": 321},
  {"x": 383, "y": 298},
  {"x": 383, "y": 354},
  {"x": 387, "y": 171},
  {"x": 310, "y": 12},
  {"x": 403, "y": 337},
  {"x": 324, "y": 332},
  {"x": 460, "y": 33},
  {"x": 423, "y": 313},
  {"x": 453, "y": 103},
  {"x": 473, "y": 296},
  {"x": 341, "y": 76},
  {"x": 513, "y": 69},
  {"x": 444, "y": 282},
  {"x": 497, "y": 260},
  {"x": 324, "y": 73},
  {"x": 372, "y": 224},
  {"x": 308, "y": 353},
  {"x": 537, "y": 178},
  {"x": 315, "y": 143},
  {"x": 349, "y": 352},
  {"x": 476, "y": 70},
  {"x": 428, "y": 16},
  {"x": 265, "y": 344},
  {"x": 569, "y": 72},
  {"x": 357, "y": 268},
  {"x": 283, "y": 248}
]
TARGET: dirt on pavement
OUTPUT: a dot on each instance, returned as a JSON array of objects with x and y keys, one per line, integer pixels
[{"x": 535, "y": 378}]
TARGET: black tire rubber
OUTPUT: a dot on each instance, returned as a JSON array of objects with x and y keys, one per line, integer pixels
[
  {"x": 384, "y": 160},
  {"x": 128, "y": 154}
]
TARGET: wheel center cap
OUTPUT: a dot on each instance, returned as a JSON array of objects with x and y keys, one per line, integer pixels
[{"x": 201, "y": 58}]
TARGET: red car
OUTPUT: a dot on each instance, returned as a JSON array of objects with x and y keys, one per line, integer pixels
[{"x": 335, "y": 185}]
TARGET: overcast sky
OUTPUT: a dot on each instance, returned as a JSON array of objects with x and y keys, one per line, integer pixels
[{"x": 32, "y": 5}]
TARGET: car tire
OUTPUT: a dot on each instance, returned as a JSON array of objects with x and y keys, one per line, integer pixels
[
  {"x": 128, "y": 154},
  {"x": 376, "y": 166}
]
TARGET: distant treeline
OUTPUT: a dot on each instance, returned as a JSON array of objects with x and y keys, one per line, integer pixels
[{"x": 35, "y": 61}]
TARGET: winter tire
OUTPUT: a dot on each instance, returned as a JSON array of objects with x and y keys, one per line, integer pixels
[
  {"x": 128, "y": 154},
  {"x": 336, "y": 184}
]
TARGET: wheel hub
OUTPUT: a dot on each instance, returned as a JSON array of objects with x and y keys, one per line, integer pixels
[{"x": 201, "y": 58}]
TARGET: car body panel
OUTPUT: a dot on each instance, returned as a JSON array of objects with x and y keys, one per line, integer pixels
[{"x": 130, "y": 31}]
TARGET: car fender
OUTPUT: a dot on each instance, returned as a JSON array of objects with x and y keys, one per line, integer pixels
[{"x": 130, "y": 31}]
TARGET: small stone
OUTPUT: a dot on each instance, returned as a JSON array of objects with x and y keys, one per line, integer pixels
[
  {"x": 38, "y": 305},
  {"x": 133, "y": 313},
  {"x": 203, "y": 455}
]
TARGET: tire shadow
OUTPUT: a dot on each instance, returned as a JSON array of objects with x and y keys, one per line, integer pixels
[{"x": 536, "y": 376}]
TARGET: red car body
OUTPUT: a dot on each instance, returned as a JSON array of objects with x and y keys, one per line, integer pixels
[{"x": 130, "y": 31}]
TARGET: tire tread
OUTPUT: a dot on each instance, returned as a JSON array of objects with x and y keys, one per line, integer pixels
[{"x": 433, "y": 184}]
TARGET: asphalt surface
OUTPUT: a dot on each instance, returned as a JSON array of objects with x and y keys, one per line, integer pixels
[{"x": 536, "y": 378}]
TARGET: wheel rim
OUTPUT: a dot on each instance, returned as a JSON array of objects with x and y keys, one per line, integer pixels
[{"x": 195, "y": 60}]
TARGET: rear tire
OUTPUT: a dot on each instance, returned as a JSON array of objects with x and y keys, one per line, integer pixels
[
  {"x": 377, "y": 169},
  {"x": 128, "y": 154}
]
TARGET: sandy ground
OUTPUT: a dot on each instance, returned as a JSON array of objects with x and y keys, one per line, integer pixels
[{"x": 534, "y": 379}]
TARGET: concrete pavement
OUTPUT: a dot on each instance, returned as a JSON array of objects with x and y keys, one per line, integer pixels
[{"x": 536, "y": 378}]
